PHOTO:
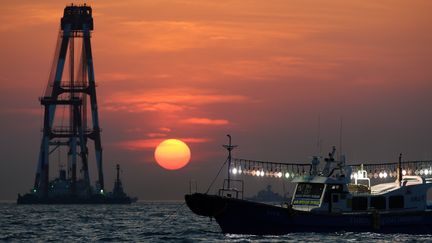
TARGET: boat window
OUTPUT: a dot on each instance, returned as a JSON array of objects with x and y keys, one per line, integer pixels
[
  {"x": 335, "y": 187},
  {"x": 359, "y": 203},
  {"x": 396, "y": 202},
  {"x": 378, "y": 202},
  {"x": 309, "y": 190}
]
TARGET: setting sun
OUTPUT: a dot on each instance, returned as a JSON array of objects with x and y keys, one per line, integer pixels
[{"x": 172, "y": 154}]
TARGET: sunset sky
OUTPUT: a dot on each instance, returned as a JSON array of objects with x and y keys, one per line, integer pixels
[{"x": 262, "y": 71}]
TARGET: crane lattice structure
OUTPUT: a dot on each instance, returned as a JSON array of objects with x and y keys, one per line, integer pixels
[{"x": 73, "y": 92}]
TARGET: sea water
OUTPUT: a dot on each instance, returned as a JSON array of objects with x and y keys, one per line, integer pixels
[{"x": 144, "y": 222}]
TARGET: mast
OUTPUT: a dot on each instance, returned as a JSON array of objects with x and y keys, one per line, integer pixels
[
  {"x": 319, "y": 137},
  {"x": 400, "y": 169},
  {"x": 118, "y": 173},
  {"x": 340, "y": 138},
  {"x": 229, "y": 147}
]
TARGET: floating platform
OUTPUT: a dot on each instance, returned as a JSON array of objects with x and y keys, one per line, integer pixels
[
  {"x": 60, "y": 192},
  {"x": 70, "y": 134}
]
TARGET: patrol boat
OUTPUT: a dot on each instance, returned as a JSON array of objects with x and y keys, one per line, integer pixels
[{"x": 329, "y": 200}]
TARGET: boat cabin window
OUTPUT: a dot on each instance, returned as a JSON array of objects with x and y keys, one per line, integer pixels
[
  {"x": 378, "y": 202},
  {"x": 359, "y": 203},
  {"x": 396, "y": 202},
  {"x": 335, "y": 188},
  {"x": 309, "y": 190},
  {"x": 308, "y": 194}
]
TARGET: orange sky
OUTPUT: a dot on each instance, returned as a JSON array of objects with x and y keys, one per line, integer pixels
[{"x": 196, "y": 70}]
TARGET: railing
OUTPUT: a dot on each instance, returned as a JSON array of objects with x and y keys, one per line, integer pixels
[
  {"x": 269, "y": 169},
  {"x": 257, "y": 168},
  {"x": 421, "y": 168},
  {"x": 69, "y": 130},
  {"x": 231, "y": 191},
  {"x": 76, "y": 84},
  {"x": 193, "y": 185}
]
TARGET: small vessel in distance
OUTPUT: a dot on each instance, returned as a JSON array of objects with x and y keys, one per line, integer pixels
[
  {"x": 267, "y": 195},
  {"x": 118, "y": 193},
  {"x": 328, "y": 200}
]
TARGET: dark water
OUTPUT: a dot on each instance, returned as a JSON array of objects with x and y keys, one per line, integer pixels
[{"x": 143, "y": 222}]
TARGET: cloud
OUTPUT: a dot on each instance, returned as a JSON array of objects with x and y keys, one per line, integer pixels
[
  {"x": 165, "y": 129},
  {"x": 173, "y": 36},
  {"x": 140, "y": 144},
  {"x": 161, "y": 132},
  {"x": 156, "y": 135},
  {"x": 168, "y": 100},
  {"x": 195, "y": 140},
  {"x": 16, "y": 17},
  {"x": 205, "y": 121},
  {"x": 142, "y": 107},
  {"x": 151, "y": 143},
  {"x": 25, "y": 111},
  {"x": 134, "y": 130},
  {"x": 165, "y": 107},
  {"x": 117, "y": 76}
]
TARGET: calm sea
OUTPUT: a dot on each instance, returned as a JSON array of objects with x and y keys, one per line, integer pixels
[{"x": 143, "y": 222}]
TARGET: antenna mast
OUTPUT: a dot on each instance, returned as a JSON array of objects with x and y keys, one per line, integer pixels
[
  {"x": 399, "y": 178},
  {"x": 229, "y": 147},
  {"x": 340, "y": 139},
  {"x": 319, "y": 136}
]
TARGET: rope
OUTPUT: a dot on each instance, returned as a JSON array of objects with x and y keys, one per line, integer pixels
[
  {"x": 169, "y": 216},
  {"x": 184, "y": 203},
  {"x": 262, "y": 163},
  {"x": 211, "y": 184},
  {"x": 395, "y": 163}
]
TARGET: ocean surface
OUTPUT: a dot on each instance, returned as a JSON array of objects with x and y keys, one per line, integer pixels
[{"x": 144, "y": 222}]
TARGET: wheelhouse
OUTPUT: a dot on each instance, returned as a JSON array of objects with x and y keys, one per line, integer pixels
[{"x": 316, "y": 193}]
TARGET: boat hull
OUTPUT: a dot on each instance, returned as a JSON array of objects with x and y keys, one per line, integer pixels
[{"x": 237, "y": 216}]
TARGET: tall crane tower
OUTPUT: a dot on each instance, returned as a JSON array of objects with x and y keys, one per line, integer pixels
[{"x": 74, "y": 91}]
